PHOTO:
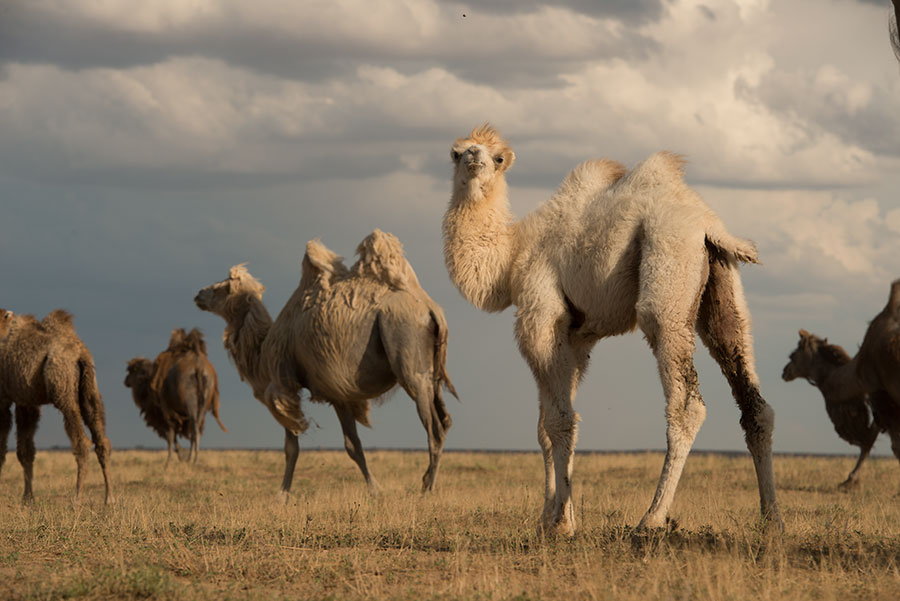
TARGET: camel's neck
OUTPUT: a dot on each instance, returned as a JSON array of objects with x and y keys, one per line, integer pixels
[
  {"x": 837, "y": 382},
  {"x": 248, "y": 324},
  {"x": 140, "y": 392},
  {"x": 479, "y": 244}
]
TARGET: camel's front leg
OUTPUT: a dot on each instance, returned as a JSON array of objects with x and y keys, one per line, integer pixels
[
  {"x": 864, "y": 450},
  {"x": 5, "y": 426},
  {"x": 291, "y": 452},
  {"x": 549, "y": 472},
  {"x": 170, "y": 439},
  {"x": 352, "y": 444},
  {"x": 543, "y": 335}
]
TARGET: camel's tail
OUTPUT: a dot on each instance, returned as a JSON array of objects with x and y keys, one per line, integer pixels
[
  {"x": 737, "y": 249},
  {"x": 208, "y": 389},
  {"x": 90, "y": 402},
  {"x": 441, "y": 333}
]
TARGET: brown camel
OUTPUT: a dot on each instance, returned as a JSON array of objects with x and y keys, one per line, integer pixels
[
  {"x": 874, "y": 371},
  {"x": 177, "y": 390},
  {"x": 830, "y": 369},
  {"x": 45, "y": 363},
  {"x": 347, "y": 336}
]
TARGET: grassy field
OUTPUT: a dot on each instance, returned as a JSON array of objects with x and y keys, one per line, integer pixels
[{"x": 220, "y": 531}]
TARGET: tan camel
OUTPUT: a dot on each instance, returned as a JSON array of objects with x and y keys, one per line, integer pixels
[
  {"x": 609, "y": 252},
  {"x": 45, "y": 363},
  {"x": 176, "y": 391},
  {"x": 830, "y": 369},
  {"x": 347, "y": 336}
]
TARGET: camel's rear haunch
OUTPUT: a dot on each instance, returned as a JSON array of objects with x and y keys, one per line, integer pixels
[
  {"x": 176, "y": 390},
  {"x": 347, "y": 335},
  {"x": 46, "y": 363},
  {"x": 862, "y": 394},
  {"x": 612, "y": 250}
]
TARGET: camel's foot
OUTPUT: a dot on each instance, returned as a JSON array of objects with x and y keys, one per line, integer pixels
[
  {"x": 374, "y": 488},
  {"x": 652, "y": 522},
  {"x": 770, "y": 521},
  {"x": 27, "y": 499},
  {"x": 283, "y": 497},
  {"x": 556, "y": 527},
  {"x": 849, "y": 484}
]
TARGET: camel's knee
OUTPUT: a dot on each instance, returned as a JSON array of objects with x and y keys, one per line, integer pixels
[{"x": 758, "y": 422}]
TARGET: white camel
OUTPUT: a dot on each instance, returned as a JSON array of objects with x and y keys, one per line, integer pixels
[{"x": 610, "y": 251}]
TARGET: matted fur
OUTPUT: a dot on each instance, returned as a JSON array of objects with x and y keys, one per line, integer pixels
[
  {"x": 610, "y": 251},
  {"x": 346, "y": 335},
  {"x": 46, "y": 363}
]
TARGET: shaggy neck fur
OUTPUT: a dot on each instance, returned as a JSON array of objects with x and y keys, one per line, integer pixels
[
  {"x": 248, "y": 323},
  {"x": 479, "y": 243},
  {"x": 834, "y": 373}
]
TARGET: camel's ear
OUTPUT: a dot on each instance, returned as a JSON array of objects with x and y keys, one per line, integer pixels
[
  {"x": 505, "y": 159},
  {"x": 804, "y": 334}
]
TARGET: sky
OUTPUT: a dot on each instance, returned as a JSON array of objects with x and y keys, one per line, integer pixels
[{"x": 146, "y": 148}]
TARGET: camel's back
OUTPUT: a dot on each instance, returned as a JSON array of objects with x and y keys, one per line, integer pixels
[
  {"x": 879, "y": 354},
  {"x": 33, "y": 351}
]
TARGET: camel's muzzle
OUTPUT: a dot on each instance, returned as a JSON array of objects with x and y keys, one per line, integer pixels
[{"x": 788, "y": 374}]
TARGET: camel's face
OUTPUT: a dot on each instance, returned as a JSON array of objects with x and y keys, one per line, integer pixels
[
  {"x": 480, "y": 157},
  {"x": 138, "y": 369},
  {"x": 801, "y": 360},
  {"x": 214, "y": 297}
]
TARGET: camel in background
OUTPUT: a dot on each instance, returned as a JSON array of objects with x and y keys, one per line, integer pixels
[
  {"x": 874, "y": 372},
  {"x": 610, "y": 251},
  {"x": 347, "y": 336},
  {"x": 175, "y": 392},
  {"x": 46, "y": 363},
  {"x": 829, "y": 368}
]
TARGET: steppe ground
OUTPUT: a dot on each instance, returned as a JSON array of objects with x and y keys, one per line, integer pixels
[{"x": 220, "y": 531}]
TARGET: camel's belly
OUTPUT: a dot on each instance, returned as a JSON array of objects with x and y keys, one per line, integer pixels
[{"x": 345, "y": 359}]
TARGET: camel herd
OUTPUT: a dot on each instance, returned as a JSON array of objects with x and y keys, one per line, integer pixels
[{"x": 612, "y": 251}]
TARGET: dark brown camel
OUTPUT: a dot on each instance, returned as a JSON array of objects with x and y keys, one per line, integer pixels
[
  {"x": 874, "y": 374},
  {"x": 138, "y": 377},
  {"x": 829, "y": 368},
  {"x": 182, "y": 388},
  {"x": 46, "y": 363}
]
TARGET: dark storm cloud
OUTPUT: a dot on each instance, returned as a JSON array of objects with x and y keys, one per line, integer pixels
[{"x": 74, "y": 41}]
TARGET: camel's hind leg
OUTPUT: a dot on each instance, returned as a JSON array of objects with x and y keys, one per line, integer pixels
[
  {"x": 671, "y": 281},
  {"x": 724, "y": 327},
  {"x": 352, "y": 444},
  {"x": 26, "y": 425},
  {"x": 5, "y": 426},
  {"x": 410, "y": 349}
]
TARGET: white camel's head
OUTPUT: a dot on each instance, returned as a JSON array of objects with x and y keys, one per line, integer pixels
[
  {"x": 480, "y": 158},
  {"x": 217, "y": 297}
]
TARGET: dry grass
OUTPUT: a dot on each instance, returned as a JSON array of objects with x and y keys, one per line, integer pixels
[{"x": 220, "y": 531}]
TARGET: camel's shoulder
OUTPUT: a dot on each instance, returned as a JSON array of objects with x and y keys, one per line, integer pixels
[{"x": 381, "y": 258}]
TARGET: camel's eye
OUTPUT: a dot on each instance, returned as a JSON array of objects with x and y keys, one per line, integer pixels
[
  {"x": 454, "y": 155},
  {"x": 499, "y": 159}
]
